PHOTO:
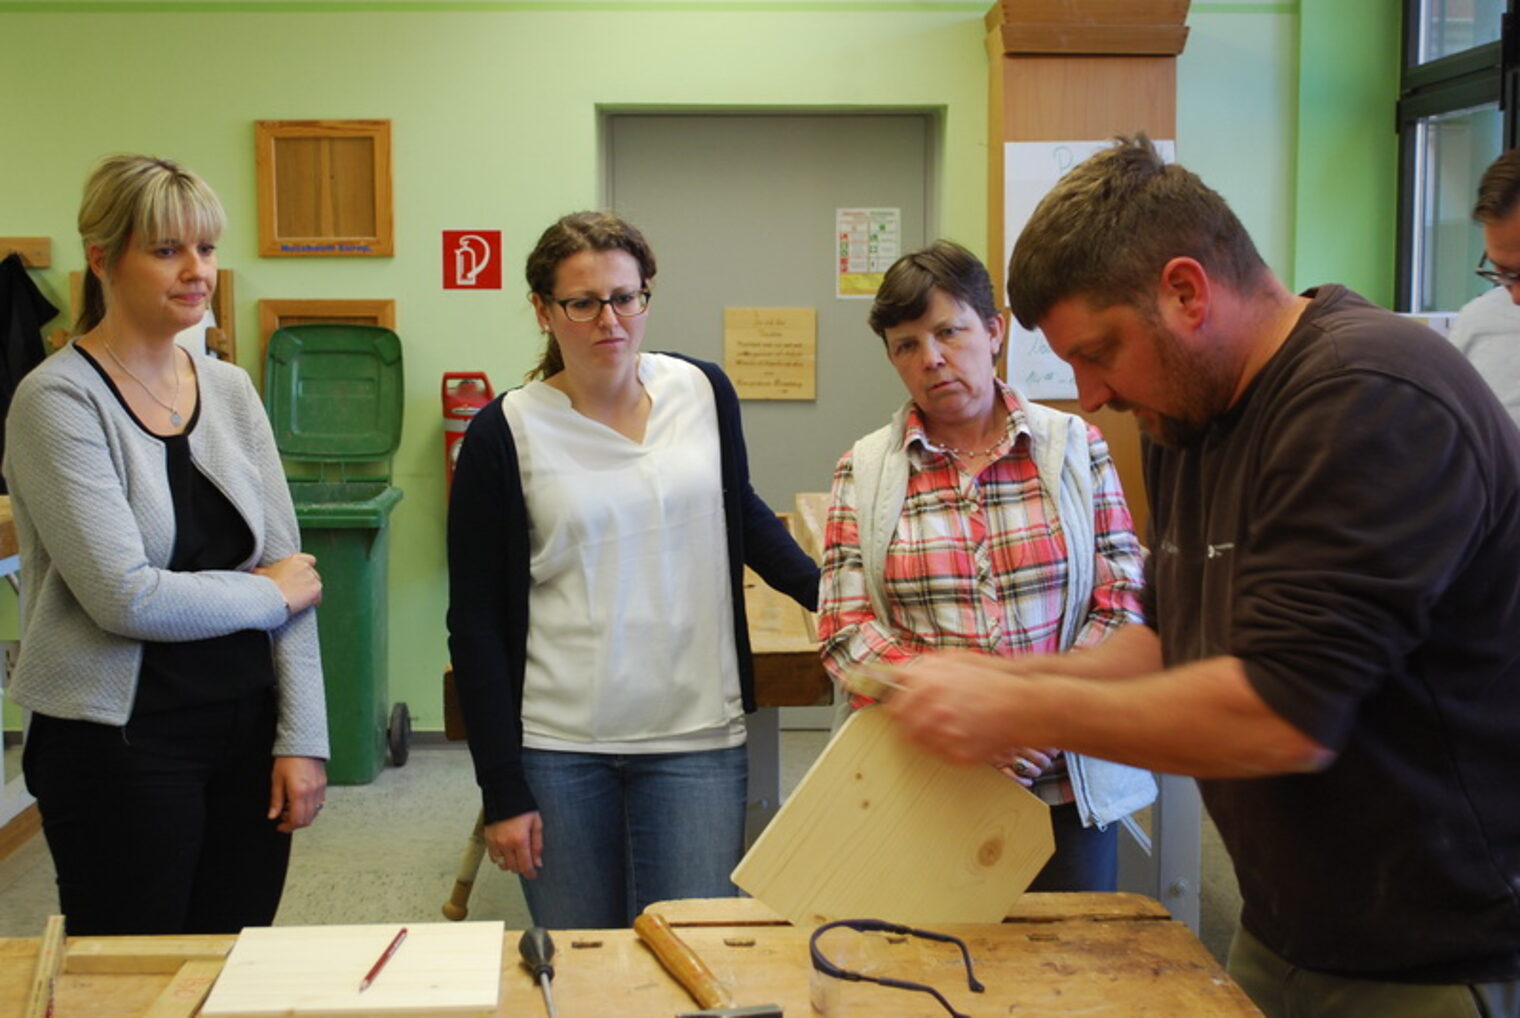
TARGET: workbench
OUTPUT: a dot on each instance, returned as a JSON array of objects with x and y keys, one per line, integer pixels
[{"x": 1056, "y": 954}]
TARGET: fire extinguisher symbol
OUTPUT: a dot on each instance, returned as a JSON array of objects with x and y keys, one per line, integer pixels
[{"x": 471, "y": 258}]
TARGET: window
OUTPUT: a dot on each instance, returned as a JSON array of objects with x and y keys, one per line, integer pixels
[{"x": 1458, "y": 60}]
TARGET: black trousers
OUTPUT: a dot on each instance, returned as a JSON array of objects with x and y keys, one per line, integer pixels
[{"x": 159, "y": 827}]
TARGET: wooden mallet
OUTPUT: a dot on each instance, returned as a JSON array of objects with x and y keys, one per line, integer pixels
[{"x": 693, "y": 974}]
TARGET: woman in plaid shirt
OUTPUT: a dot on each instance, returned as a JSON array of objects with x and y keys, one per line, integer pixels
[{"x": 979, "y": 520}]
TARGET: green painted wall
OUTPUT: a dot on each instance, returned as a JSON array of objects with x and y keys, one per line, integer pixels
[
  {"x": 494, "y": 112},
  {"x": 1347, "y": 172}
]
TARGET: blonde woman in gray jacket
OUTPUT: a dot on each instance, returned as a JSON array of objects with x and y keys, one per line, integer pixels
[{"x": 169, "y": 647}]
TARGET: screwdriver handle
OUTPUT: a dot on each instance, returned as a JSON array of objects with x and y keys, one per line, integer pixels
[{"x": 537, "y": 950}]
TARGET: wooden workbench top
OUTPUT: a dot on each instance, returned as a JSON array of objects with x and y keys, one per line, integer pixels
[{"x": 1074, "y": 954}]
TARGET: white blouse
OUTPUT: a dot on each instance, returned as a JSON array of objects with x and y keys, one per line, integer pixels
[{"x": 630, "y": 621}]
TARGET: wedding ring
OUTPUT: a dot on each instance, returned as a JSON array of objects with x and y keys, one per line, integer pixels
[{"x": 1021, "y": 767}]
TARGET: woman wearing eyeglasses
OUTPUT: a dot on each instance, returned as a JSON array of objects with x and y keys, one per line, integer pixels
[{"x": 600, "y": 522}]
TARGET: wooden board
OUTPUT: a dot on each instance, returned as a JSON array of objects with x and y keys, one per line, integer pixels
[
  {"x": 314, "y": 971},
  {"x": 878, "y": 828}
]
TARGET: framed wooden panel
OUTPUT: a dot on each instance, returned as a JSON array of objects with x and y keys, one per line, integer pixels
[{"x": 324, "y": 188}]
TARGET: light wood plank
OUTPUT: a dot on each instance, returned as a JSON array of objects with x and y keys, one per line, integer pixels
[
  {"x": 45, "y": 971},
  {"x": 880, "y": 828},
  {"x": 315, "y": 971}
]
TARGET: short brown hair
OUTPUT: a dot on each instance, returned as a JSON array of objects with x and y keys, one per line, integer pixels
[
  {"x": 910, "y": 282},
  {"x": 1109, "y": 226},
  {"x": 1499, "y": 188},
  {"x": 570, "y": 235}
]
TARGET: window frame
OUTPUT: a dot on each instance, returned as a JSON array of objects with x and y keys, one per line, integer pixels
[{"x": 1459, "y": 81}]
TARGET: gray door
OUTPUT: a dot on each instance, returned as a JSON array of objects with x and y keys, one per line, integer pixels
[{"x": 740, "y": 212}]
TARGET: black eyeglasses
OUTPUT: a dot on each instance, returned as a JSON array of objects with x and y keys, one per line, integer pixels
[
  {"x": 828, "y": 968},
  {"x": 589, "y": 309},
  {"x": 1496, "y": 276}
]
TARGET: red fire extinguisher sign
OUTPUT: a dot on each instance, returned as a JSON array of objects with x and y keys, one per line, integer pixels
[{"x": 465, "y": 394}]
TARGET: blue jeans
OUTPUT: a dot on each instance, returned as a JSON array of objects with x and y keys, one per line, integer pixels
[
  {"x": 621, "y": 831},
  {"x": 1086, "y": 859}
]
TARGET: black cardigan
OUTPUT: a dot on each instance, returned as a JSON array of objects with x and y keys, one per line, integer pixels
[{"x": 489, "y": 584}]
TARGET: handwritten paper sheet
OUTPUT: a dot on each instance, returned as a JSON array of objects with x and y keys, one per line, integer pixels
[{"x": 771, "y": 353}]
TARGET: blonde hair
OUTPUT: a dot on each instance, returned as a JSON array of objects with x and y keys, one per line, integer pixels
[{"x": 151, "y": 199}]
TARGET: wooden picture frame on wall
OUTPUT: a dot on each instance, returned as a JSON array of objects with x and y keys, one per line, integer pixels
[{"x": 324, "y": 188}]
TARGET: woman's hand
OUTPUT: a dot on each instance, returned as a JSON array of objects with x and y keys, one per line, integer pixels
[
  {"x": 1025, "y": 763},
  {"x": 297, "y": 790},
  {"x": 297, "y": 578},
  {"x": 516, "y": 844}
]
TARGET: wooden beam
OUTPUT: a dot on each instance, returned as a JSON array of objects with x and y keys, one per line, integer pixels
[
  {"x": 139, "y": 955},
  {"x": 39, "y": 999},
  {"x": 1091, "y": 40},
  {"x": 35, "y": 252}
]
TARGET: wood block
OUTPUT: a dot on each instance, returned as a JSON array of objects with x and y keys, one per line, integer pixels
[
  {"x": 878, "y": 828},
  {"x": 142, "y": 955},
  {"x": 315, "y": 971}
]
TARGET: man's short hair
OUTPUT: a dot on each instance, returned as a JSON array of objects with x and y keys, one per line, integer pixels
[
  {"x": 1109, "y": 226},
  {"x": 1499, "y": 188},
  {"x": 910, "y": 282}
]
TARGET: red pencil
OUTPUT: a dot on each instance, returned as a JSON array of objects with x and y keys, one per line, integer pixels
[{"x": 380, "y": 962}]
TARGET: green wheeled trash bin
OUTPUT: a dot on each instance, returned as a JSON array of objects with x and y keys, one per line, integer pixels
[{"x": 334, "y": 397}]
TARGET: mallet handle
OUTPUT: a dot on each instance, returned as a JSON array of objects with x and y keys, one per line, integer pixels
[{"x": 681, "y": 962}]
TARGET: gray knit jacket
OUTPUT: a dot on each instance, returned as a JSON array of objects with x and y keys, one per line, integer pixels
[{"x": 95, "y": 520}]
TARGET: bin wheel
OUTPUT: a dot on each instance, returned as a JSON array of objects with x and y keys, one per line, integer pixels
[{"x": 399, "y": 735}]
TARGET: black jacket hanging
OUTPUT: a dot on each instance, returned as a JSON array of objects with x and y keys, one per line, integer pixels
[{"x": 23, "y": 313}]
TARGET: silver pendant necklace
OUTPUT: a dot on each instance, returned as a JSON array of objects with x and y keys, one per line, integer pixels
[{"x": 174, "y": 415}]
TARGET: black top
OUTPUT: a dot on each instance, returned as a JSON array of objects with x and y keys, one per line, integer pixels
[
  {"x": 1350, "y": 530},
  {"x": 209, "y": 534},
  {"x": 489, "y": 583}
]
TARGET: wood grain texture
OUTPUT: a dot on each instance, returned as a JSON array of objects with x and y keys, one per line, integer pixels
[
  {"x": 1073, "y": 954},
  {"x": 183, "y": 997},
  {"x": 35, "y": 252},
  {"x": 1037, "y": 907},
  {"x": 811, "y": 513},
  {"x": 139, "y": 955},
  {"x": 1088, "y": 12},
  {"x": 878, "y": 828},
  {"x": 314, "y": 971},
  {"x": 45, "y": 970}
]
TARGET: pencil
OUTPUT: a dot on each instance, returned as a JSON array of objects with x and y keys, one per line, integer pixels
[{"x": 384, "y": 957}]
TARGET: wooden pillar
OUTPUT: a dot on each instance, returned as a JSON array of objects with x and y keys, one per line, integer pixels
[
  {"x": 1086, "y": 70},
  {"x": 1081, "y": 70}
]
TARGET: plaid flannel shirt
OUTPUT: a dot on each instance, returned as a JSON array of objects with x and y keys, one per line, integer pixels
[{"x": 976, "y": 563}]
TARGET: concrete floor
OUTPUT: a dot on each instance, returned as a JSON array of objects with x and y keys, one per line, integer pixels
[{"x": 389, "y": 851}]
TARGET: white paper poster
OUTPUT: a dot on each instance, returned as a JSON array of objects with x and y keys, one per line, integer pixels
[
  {"x": 1030, "y": 170},
  {"x": 868, "y": 241}
]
